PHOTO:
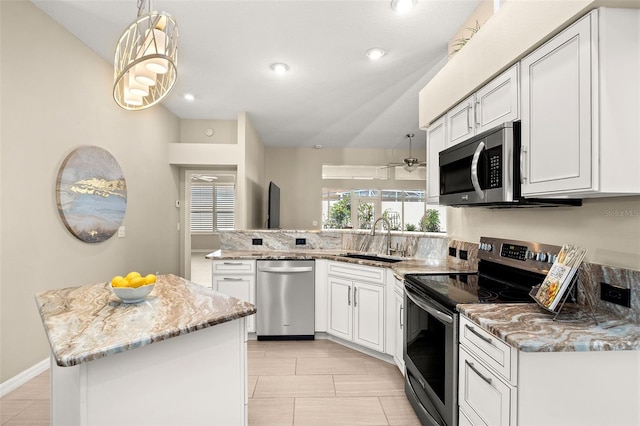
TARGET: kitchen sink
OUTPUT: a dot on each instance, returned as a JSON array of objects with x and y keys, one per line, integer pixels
[{"x": 371, "y": 257}]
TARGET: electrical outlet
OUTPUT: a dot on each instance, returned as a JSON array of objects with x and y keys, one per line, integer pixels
[
  {"x": 614, "y": 294},
  {"x": 121, "y": 232},
  {"x": 301, "y": 241},
  {"x": 256, "y": 241},
  {"x": 453, "y": 251},
  {"x": 463, "y": 254}
]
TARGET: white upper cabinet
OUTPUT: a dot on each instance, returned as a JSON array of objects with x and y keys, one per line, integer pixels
[
  {"x": 436, "y": 142},
  {"x": 496, "y": 102},
  {"x": 460, "y": 121},
  {"x": 499, "y": 101},
  {"x": 580, "y": 109}
]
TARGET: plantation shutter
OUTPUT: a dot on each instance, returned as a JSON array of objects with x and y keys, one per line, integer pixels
[
  {"x": 201, "y": 208},
  {"x": 225, "y": 202},
  {"x": 212, "y": 208}
]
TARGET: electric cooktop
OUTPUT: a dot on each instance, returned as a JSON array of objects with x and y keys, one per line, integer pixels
[{"x": 507, "y": 270}]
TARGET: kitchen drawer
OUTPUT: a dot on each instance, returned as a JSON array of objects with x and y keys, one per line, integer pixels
[
  {"x": 234, "y": 266},
  {"x": 350, "y": 271},
  {"x": 482, "y": 397},
  {"x": 495, "y": 353}
]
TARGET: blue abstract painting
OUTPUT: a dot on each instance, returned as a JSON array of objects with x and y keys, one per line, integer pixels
[{"x": 91, "y": 194}]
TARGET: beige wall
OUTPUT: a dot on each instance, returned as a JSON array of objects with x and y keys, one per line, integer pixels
[
  {"x": 195, "y": 131},
  {"x": 608, "y": 227},
  {"x": 298, "y": 173},
  {"x": 254, "y": 181},
  {"x": 56, "y": 96}
]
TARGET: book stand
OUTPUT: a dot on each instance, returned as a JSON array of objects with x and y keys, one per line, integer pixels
[{"x": 569, "y": 293}]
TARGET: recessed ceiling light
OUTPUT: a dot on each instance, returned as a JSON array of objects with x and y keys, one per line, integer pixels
[
  {"x": 189, "y": 96},
  {"x": 402, "y": 6},
  {"x": 375, "y": 53},
  {"x": 317, "y": 146},
  {"x": 280, "y": 68}
]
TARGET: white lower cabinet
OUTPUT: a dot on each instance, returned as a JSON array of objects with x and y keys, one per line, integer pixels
[
  {"x": 500, "y": 385},
  {"x": 237, "y": 279},
  {"x": 398, "y": 355},
  {"x": 486, "y": 382},
  {"x": 356, "y": 308},
  {"x": 483, "y": 396}
]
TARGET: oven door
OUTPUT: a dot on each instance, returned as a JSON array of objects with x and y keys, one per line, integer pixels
[{"x": 431, "y": 359}]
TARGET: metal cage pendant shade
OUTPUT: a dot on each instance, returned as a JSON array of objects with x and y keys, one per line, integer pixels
[{"x": 145, "y": 60}]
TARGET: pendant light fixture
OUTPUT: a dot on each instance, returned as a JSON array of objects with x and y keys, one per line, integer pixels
[{"x": 145, "y": 59}]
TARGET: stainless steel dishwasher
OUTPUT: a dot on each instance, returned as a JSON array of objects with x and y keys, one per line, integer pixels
[{"x": 285, "y": 300}]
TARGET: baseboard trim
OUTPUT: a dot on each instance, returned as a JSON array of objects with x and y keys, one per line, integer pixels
[{"x": 20, "y": 379}]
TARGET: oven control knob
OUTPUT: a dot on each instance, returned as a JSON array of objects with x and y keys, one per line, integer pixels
[
  {"x": 551, "y": 258},
  {"x": 530, "y": 254},
  {"x": 541, "y": 257},
  {"x": 488, "y": 246}
]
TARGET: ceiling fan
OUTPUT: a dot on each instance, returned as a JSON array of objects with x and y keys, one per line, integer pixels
[
  {"x": 203, "y": 178},
  {"x": 410, "y": 163}
]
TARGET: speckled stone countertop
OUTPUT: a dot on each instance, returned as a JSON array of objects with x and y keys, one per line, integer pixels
[
  {"x": 528, "y": 328},
  {"x": 90, "y": 322},
  {"x": 400, "y": 269}
]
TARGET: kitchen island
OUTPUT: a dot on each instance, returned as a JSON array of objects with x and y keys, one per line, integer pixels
[{"x": 178, "y": 357}]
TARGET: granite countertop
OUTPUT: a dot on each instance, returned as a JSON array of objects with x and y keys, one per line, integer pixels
[
  {"x": 400, "y": 269},
  {"x": 529, "y": 328},
  {"x": 89, "y": 322}
]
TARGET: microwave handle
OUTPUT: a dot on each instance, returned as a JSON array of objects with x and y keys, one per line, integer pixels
[{"x": 474, "y": 170}]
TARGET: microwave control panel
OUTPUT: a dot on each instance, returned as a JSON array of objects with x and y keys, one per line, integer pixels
[{"x": 495, "y": 167}]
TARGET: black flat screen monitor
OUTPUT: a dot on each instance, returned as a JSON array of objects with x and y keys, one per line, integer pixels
[{"x": 273, "y": 218}]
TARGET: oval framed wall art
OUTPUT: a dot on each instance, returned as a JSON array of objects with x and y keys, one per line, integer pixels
[{"x": 91, "y": 194}]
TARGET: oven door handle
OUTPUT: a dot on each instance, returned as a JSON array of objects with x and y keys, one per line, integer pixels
[
  {"x": 474, "y": 170},
  {"x": 430, "y": 309}
]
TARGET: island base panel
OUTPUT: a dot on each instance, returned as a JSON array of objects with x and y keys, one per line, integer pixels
[{"x": 196, "y": 378}]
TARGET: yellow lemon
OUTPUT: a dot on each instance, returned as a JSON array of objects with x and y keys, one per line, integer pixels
[
  {"x": 136, "y": 282},
  {"x": 118, "y": 281},
  {"x": 132, "y": 275},
  {"x": 150, "y": 279}
]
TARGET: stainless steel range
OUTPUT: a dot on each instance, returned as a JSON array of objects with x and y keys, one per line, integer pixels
[{"x": 507, "y": 270}]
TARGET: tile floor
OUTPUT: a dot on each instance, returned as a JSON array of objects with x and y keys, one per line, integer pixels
[{"x": 290, "y": 383}]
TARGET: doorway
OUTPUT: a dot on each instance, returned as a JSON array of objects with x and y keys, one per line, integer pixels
[{"x": 209, "y": 206}]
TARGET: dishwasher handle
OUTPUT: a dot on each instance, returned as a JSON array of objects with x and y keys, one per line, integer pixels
[{"x": 285, "y": 270}]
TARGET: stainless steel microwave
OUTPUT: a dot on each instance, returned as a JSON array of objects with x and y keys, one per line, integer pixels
[{"x": 484, "y": 171}]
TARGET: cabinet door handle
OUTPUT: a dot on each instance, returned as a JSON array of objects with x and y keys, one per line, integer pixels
[
  {"x": 523, "y": 153},
  {"x": 232, "y": 263},
  {"x": 349, "y": 297},
  {"x": 355, "y": 295},
  {"x": 401, "y": 324},
  {"x": 475, "y": 370},
  {"x": 232, "y": 279},
  {"x": 473, "y": 330},
  {"x": 476, "y": 112},
  {"x": 468, "y": 116}
]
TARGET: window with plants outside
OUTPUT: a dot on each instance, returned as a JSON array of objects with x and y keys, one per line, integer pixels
[{"x": 405, "y": 210}]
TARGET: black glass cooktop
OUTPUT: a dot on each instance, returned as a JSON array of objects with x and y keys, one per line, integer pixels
[{"x": 498, "y": 285}]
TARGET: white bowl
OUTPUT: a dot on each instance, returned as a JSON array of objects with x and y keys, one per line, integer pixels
[{"x": 132, "y": 295}]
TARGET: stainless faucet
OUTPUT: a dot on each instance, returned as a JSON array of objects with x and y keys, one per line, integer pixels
[{"x": 373, "y": 232}]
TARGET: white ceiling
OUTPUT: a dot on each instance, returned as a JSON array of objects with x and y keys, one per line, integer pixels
[{"x": 333, "y": 95}]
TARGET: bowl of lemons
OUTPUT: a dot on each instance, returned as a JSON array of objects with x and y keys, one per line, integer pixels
[{"x": 133, "y": 287}]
